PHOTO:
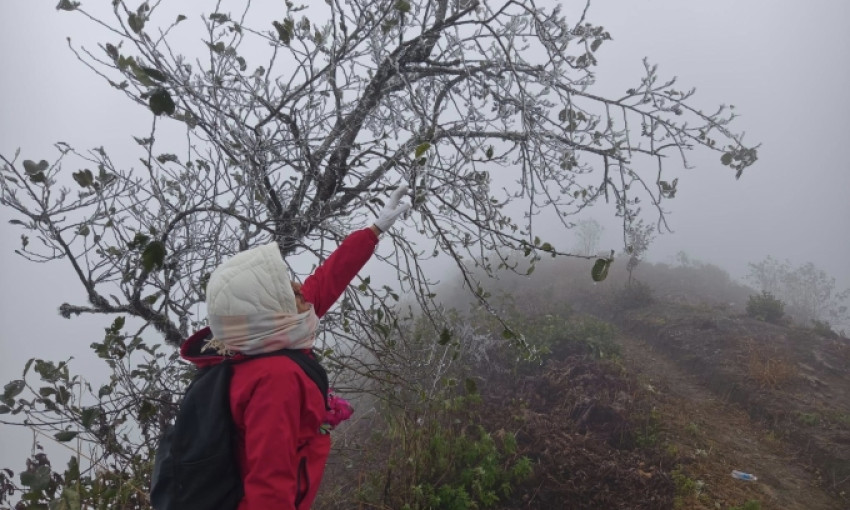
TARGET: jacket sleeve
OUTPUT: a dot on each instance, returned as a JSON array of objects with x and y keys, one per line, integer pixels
[
  {"x": 271, "y": 419},
  {"x": 330, "y": 279}
]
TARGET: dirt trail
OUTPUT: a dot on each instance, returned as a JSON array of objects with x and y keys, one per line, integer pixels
[{"x": 713, "y": 437}]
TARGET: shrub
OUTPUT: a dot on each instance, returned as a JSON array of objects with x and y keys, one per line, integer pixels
[
  {"x": 466, "y": 471},
  {"x": 562, "y": 335},
  {"x": 765, "y": 307},
  {"x": 438, "y": 457},
  {"x": 769, "y": 371},
  {"x": 634, "y": 295},
  {"x": 823, "y": 328}
]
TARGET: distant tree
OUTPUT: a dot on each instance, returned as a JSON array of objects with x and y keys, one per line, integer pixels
[
  {"x": 291, "y": 126},
  {"x": 589, "y": 233},
  {"x": 809, "y": 293},
  {"x": 769, "y": 275},
  {"x": 638, "y": 238}
]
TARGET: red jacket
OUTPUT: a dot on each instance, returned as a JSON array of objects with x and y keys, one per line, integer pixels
[{"x": 277, "y": 408}]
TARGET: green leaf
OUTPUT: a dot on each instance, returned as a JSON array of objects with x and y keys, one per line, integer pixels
[
  {"x": 136, "y": 22},
  {"x": 153, "y": 256},
  {"x": 28, "y": 365},
  {"x": 219, "y": 17},
  {"x": 4, "y": 409},
  {"x": 726, "y": 158},
  {"x": 445, "y": 337},
  {"x": 88, "y": 415},
  {"x": 69, "y": 500},
  {"x": 112, "y": 51},
  {"x": 83, "y": 230},
  {"x": 421, "y": 149},
  {"x": 13, "y": 389},
  {"x": 600, "y": 269},
  {"x": 285, "y": 30},
  {"x": 141, "y": 75},
  {"x": 218, "y": 47},
  {"x": 67, "y": 5},
  {"x": 165, "y": 158},
  {"x": 140, "y": 240},
  {"x": 508, "y": 334},
  {"x": 160, "y": 102},
  {"x": 33, "y": 168},
  {"x": 595, "y": 44},
  {"x": 489, "y": 152},
  {"x": 37, "y": 479},
  {"x": 84, "y": 177},
  {"x": 180, "y": 18},
  {"x": 388, "y": 25},
  {"x": 65, "y": 436},
  {"x": 402, "y": 6},
  {"x": 155, "y": 74},
  {"x": 471, "y": 386}
]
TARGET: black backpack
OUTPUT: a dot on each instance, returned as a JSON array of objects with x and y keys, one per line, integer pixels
[{"x": 195, "y": 466}]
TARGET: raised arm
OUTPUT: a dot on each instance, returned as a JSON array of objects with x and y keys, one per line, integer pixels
[{"x": 330, "y": 279}]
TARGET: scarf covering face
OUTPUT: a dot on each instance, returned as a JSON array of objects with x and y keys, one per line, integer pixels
[
  {"x": 264, "y": 332},
  {"x": 251, "y": 305}
]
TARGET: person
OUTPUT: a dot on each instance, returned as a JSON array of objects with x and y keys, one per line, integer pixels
[{"x": 280, "y": 415}]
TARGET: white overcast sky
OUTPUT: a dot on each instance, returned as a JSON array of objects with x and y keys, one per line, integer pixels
[{"x": 783, "y": 64}]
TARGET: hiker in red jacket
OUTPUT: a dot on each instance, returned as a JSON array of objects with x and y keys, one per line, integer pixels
[{"x": 279, "y": 413}]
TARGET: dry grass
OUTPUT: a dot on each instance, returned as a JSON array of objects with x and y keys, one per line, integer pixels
[{"x": 769, "y": 370}]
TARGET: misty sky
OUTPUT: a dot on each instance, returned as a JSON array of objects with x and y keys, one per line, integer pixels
[{"x": 783, "y": 64}]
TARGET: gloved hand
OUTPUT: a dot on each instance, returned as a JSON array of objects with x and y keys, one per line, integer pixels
[{"x": 392, "y": 210}]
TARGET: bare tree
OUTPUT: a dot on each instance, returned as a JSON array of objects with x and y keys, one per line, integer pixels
[
  {"x": 588, "y": 232},
  {"x": 296, "y": 126}
]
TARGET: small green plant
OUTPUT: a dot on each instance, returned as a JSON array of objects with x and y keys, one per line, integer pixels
[
  {"x": 440, "y": 459},
  {"x": 686, "y": 488},
  {"x": 809, "y": 419},
  {"x": 649, "y": 432},
  {"x": 466, "y": 471},
  {"x": 692, "y": 428},
  {"x": 749, "y": 505},
  {"x": 765, "y": 307}
]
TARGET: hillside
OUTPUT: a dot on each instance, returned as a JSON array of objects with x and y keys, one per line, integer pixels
[
  {"x": 645, "y": 397},
  {"x": 736, "y": 393}
]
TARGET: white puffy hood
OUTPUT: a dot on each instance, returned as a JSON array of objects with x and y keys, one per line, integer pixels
[{"x": 255, "y": 281}]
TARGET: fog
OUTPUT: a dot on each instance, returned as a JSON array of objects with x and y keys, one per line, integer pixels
[{"x": 783, "y": 65}]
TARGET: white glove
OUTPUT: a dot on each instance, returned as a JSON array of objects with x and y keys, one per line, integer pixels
[{"x": 392, "y": 210}]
